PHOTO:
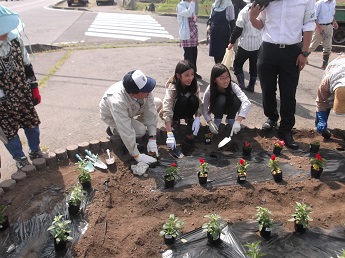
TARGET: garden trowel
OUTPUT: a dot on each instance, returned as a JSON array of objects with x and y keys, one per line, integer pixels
[
  {"x": 95, "y": 160},
  {"x": 86, "y": 164},
  {"x": 226, "y": 140}
]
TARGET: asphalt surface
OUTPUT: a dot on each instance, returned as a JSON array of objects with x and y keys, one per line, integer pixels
[{"x": 69, "y": 110}]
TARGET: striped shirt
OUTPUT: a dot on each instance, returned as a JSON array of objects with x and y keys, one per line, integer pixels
[
  {"x": 325, "y": 11},
  {"x": 251, "y": 38},
  {"x": 284, "y": 21}
]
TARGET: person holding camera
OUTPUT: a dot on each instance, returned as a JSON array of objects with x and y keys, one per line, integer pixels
[
  {"x": 325, "y": 22},
  {"x": 281, "y": 58}
]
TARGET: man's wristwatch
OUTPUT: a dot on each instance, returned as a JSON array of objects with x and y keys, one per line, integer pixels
[{"x": 305, "y": 53}]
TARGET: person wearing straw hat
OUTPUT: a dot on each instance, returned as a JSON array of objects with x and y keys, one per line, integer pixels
[
  {"x": 19, "y": 91},
  {"x": 330, "y": 94},
  {"x": 129, "y": 109}
]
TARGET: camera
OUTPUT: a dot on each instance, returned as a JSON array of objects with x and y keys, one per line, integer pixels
[{"x": 263, "y": 3}]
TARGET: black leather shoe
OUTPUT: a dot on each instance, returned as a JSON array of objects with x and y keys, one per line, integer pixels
[
  {"x": 198, "y": 76},
  {"x": 269, "y": 124},
  {"x": 289, "y": 141},
  {"x": 326, "y": 134},
  {"x": 109, "y": 132}
]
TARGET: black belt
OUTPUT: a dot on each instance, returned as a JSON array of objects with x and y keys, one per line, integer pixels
[
  {"x": 325, "y": 23},
  {"x": 279, "y": 45}
]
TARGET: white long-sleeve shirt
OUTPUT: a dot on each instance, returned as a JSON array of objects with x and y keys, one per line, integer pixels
[
  {"x": 117, "y": 108},
  {"x": 245, "y": 102},
  {"x": 284, "y": 21}
]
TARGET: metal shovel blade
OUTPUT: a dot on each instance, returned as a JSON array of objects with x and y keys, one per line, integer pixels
[
  {"x": 225, "y": 141},
  {"x": 97, "y": 160},
  {"x": 86, "y": 164},
  {"x": 97, "y": 163},
  {"x": 110, "y": 160}
]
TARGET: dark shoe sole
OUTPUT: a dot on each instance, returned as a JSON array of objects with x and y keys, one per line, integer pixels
[
  {"x": 109, "y": 132},
  {"x": 293, "y": 146},
  {"x": 268, "y": 125},
  {"x": 326, "y": 135}
]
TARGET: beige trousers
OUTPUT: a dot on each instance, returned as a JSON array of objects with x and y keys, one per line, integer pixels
[{"x": 326, "y": 40}]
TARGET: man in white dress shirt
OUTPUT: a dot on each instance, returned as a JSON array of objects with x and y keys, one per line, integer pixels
[
  {"x": 281, "y": 58},
  {"x": 325, "y": 22}
]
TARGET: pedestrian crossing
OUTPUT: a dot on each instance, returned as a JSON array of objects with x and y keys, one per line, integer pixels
[{"x": 126, "y": 26}]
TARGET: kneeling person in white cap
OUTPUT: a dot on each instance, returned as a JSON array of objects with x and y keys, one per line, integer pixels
[
  {"x": 129, "y": 108},
  {"x": 330, "y": 94}
]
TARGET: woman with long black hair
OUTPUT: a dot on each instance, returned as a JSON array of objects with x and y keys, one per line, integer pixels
[
  {"x": 224, "y": 97},
  {"x": 182, "y": 101}
]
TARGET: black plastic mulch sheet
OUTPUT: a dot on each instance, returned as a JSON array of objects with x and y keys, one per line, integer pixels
[
  {"x": 31, "y": 238},
  {"x": 314, "y": 243},
  {"x": 223, "y": 169}
]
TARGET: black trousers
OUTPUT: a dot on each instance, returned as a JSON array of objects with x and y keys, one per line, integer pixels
[
  {"x": 277, "y": 64},
  {"x": 229, "y": 108},
  {"x": 185, "y": 107},
  {"x": 191, "y": 54},
  {"x": 241, "y": 57}
]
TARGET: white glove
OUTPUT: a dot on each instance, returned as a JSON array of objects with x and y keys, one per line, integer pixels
[
  {"x": 213, "y": 127},
  {"x": 236, "y": 127},
  {"x": 171, "y": 140},
  {"x": 152, "y": 146},
  {"x": 145, "y": 158},
  {"x": 196, "y": 126}
]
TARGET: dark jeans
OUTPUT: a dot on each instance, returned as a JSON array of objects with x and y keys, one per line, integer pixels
[
  {"x": 185, "y": 107},
  {"x": 241, "y": 57},
  {"x": 221, "y": 107},
  {"x": 191, "y": 54},
  {"x": 275, "y": 63}
]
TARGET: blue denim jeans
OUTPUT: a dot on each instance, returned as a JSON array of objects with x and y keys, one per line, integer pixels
[{"x": 14, "y": 146}]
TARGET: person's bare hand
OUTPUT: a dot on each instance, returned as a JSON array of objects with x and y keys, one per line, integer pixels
[
  {"x": 254, "y": 11},
  {"x": 301, "y": 61},
  {"x": 335, "y": 25}
]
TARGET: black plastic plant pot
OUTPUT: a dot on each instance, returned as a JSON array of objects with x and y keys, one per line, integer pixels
[
  {"x": 277, "y": 150},
  {"x": 207, "y": 141},
  {"x": 202, "y": 179},
  {"x": 246, "y": 152},
  {"x": 241, "y": 179},
  {"x": 278, "y": 177},
  {"x": 73, "y": 209},
  {"x": 86, "y": 185},
  {"x": 169, "y": 239},
  {"x": 212, "y": 241},
  {"x": 169, "y": 183},
  {"x": 265, "y": 232},
  {"x": 314, "y": 148},
  {"x": 299, "y": 227},
  {"x": 4, "y": 225},
  {"x": 315, "y": 173},
  {"x": 60, "y": 246}
]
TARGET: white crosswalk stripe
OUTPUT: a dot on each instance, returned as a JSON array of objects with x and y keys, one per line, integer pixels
[{"x": 127, "y": 26}]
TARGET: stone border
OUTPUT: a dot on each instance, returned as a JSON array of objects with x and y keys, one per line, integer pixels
[{"x": 61, "y": 157}]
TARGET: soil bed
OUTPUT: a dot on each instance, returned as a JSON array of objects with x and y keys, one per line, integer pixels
[{"x": 125, "y": 220}]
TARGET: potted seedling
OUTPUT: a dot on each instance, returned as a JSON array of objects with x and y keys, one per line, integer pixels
[
  {"x": 278, "y": 146},
  {"x": 213, "y": 228},
  {"x": 247, "y": 149},
  {"x": 170, "y": 173},
  {"x": 203, "y": 173},
  {"x": 301, "y": 216},
  {"x": 208, "y": 138},
  {"x": 84, "y": 178},
  {"x": 75, "y": 197},
  {"x": 254, "y": 250},
  {"x": 242, "y": 171},
  {"x": 317, "y": 165},
  {"x": 265, "y": 222},
  {"x": 4, "y": 222},
  {"x": 314, "y": 146},
  {"x": 60, "y": 230},
  {"x": 172, "y": 228},
  {"x": 275, "y": 169}
]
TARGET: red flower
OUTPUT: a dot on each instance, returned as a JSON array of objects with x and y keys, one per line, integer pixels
[
  {"x": 242, "y": 161},
  {"x": 273, "y": 157},
  {"x": 202, "y": 161},
  {"x": 173, "y": 164},
  {"x": 246, "y": 144},
  {"x": 318, "y": 156}
]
